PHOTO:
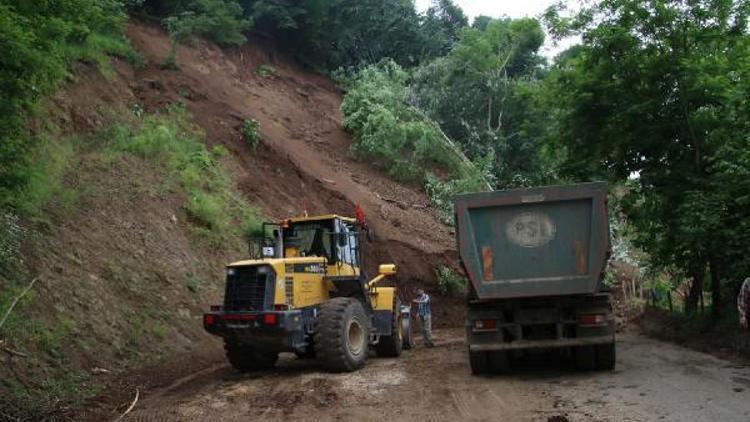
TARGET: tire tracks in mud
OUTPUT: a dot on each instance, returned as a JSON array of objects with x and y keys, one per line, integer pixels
[{"x": 654, "y": 381}]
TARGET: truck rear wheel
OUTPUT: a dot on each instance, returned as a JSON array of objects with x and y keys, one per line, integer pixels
[
  {"x": 480, "y": 362},
  {"x": 585, "y": 358},
  {"x": 605, "y": 356},
  {"x": 499, "y": 362},
  {"x": 342, "y": 335},
  {"x": 244, "y": 359},
  {"x": 390, "y": 346}
]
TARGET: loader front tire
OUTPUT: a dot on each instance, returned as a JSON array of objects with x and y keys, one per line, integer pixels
[
  {"x": 244, "y": 359},
  {"x": 342, "y": 335},
  {"x": 391, "y": 346}
]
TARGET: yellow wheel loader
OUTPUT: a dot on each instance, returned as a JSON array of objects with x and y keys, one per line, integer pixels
[{"x": 306, "y": 293}]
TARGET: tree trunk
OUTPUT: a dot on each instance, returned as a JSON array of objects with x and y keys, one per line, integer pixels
[
  {"x": 715, "y": 269},
  {"x": 669, "y": 296},
  {"x": 696, "y": 290}
]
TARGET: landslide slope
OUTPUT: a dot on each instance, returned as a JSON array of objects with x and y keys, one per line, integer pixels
[
  {"x": 304, "y": 164},
  {"x": 123, "y": 277},
  {"x": 299, "y": 119}
]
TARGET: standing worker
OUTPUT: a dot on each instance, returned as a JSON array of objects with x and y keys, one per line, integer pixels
[
  {"x": 743, "y": 304},
  {"x": 425, "y": 316}
]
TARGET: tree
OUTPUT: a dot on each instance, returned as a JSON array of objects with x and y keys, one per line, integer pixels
[
  {"x": 483, "y": 93},
  {"x": 340, "y": 33},
  {"x": 657, "y": 94},
  {"x": 481, "y": 22},
  {"x": 441, "y": 25},
  {"x": 222, "y": 21}
]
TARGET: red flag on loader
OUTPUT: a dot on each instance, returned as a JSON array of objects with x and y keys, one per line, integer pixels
[{"x": 360, "y": 215}]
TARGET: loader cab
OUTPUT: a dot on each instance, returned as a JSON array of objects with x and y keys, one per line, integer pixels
[{"x": 330, "y": 236}]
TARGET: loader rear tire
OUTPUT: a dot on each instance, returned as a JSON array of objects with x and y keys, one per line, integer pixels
[
  {"x": 244, "y": 359},
  {"x": 480, "y": 362},
  {"x": 342, "y": 335}
]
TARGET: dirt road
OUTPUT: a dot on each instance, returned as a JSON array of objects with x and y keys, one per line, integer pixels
[{"x": 654, "y": 381}]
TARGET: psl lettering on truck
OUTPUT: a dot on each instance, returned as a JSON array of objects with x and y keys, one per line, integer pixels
[{"x": 530, "y": 229}]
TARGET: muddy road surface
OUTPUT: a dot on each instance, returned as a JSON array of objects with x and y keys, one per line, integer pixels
[{"x": 653, "y": 381}]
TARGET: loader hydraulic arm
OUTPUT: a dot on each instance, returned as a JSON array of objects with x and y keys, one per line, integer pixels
[{"x": 384, "y": 271}]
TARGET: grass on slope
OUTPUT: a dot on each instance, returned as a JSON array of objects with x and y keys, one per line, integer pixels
[
  {"x": 213, "y": 205},
  {"x": 48, "y": 377}
]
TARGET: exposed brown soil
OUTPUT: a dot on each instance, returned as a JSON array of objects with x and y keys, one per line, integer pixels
[
  {"x": 116, "y": 266},
  {"x": 304, "y": 161},
  {"x": 299, "y": 120}
]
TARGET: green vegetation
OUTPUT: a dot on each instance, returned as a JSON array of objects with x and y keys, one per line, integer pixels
[
  {"x": 339, "y": 33},
  {"x": 49, "y": 162},
  {"x": 212, "y": 204},
  {"x": 388, "y": 129},
  {"x": 250, "y": 133},
  {"x": 473, "y": 116},
  {"x": 656, "y": 98},
  {"x": 40, "y": 41},
  {"x": 221, "y": 21},
  {"x": 449, "y": 283},
  {"x": 12, "y": 233},
  {"x": 483, "y": 94},
  {"x": 41, "y": 395},
  {"x": 194, "y": 284},
  {"x": 653, "y": 100},
  {"x": 403, "y": 140},
  {"x": 267, "y": 71}
]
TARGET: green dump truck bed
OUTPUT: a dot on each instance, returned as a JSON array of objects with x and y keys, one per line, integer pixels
[{"x": 546, "y": 241}]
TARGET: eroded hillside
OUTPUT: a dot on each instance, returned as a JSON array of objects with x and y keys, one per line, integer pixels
[
  {"x": 304, "y": 162},
  {"x": 123, "y": 276}
]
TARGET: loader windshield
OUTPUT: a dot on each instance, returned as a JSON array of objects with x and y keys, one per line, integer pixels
[{"x": 310, "y": 238}]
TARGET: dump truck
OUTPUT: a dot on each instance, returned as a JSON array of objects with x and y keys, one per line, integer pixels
[
  {"x": 535, "y": 260},
  {"x": 305, "y": 292}
]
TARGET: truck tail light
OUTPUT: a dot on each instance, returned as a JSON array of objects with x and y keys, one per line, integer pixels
[
  {"x": 280, "y": 307},
  {"x": 592, "y": 319},
  {"x": 269, "y": 319},
  {"x": 216, "y": 308},
  {"x": 485, "y": 324},
  {"x": 208, "y": 320}
]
